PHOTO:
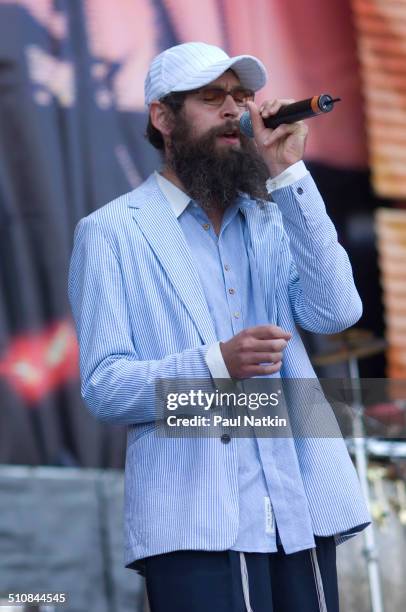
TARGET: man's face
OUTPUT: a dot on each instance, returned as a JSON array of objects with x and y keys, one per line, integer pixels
[
  {"x": 202, "y": 116},
  {"x": 206, "y": 150}
]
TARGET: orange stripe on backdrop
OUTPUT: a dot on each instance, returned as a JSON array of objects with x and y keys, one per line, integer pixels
[
  {"x": 390, "y": 226},
  {"x": 382, "y": 50}
]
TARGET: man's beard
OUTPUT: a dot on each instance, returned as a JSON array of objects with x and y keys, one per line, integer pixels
[{"x": 213, "y": 175}]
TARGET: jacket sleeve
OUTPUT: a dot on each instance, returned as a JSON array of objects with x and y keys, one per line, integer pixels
[
  {"x": 322, "y": 292},
  {"x": 117, "y": 386}
]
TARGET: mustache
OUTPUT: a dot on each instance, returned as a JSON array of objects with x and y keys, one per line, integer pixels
[{"x": 229, "y": 126}]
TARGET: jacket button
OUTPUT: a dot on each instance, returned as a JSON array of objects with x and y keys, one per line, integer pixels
[
  {"x": 225, "y": 438},
  {"x": 300, "y": 190}
]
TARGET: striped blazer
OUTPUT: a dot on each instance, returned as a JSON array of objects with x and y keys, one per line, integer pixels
[{"x": 141, "y": 314}]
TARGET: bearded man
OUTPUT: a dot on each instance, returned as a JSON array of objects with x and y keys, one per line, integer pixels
[{"x": 206, "y": 271}]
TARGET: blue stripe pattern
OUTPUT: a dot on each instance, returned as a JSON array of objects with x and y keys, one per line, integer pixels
[
  {"x": 141, "y": 314},
  {"x": 268, "y": 468}
]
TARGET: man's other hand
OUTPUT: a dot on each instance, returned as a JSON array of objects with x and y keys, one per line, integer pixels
[{"x": 255, "y": 351}]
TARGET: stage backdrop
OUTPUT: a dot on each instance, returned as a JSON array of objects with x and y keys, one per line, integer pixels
[
  {"x": 72, "y": 123},
  {"x": 381, "y": 28}
]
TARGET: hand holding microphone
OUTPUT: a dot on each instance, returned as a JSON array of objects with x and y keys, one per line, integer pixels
[{"x": 283, "y": 145}]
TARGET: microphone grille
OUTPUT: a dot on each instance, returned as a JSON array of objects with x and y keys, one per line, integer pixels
[{"x": 246, "y": 125}]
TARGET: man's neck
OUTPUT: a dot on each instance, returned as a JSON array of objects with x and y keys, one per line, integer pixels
[{"x": 214, "y": 213}]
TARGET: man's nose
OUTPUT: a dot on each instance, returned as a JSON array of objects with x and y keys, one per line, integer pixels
[{"x": 229, "y": 107}]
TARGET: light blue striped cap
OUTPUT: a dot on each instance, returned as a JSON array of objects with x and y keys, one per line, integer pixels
[{"x": 195, "y": 64}]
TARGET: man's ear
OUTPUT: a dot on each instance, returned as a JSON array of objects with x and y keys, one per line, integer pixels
[{"x": 161, "y": 118}]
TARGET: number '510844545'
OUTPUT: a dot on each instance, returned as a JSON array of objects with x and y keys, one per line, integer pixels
[{"x": 36, "y": 598}]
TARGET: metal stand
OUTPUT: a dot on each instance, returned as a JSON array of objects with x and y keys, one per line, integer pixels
[{"x": 370, "y": 550}]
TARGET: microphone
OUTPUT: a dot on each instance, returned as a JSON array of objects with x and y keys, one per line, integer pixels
[{"x": 304, "y": 109}]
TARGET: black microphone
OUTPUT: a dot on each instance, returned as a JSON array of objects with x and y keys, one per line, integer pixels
[{"x": 304, "y": 109}]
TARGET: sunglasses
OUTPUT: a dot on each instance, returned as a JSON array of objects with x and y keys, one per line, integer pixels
[{"x": 215, "y": 96}]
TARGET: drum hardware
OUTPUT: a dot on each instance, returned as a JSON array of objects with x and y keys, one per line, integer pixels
[
  {"x": 357, "y": 344},
  {"x": 396, "y": 474},
  {"x": 379, "y": 503},
  {"x": 400, "y": 502},
  {"x": 350, "y": 344}
]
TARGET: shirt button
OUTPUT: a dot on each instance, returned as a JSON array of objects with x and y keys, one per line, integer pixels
[
  {"x": 300, "y": 190},
  {"x": 236, "y": 315},
  {"x": 231, "y": 291},
  {"x": 226, "y": 267},
  {"x": 225, "y": 438},
  {"x": 206, "y": 226}
]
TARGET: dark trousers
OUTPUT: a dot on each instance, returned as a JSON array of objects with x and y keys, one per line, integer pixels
[{"x": 229, "y": 581}]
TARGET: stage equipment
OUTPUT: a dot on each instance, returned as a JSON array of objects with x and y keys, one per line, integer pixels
[{"x": 357, "y": 344}]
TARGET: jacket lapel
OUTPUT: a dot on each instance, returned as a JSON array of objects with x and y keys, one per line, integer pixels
[{"x": 162, "y": 230}]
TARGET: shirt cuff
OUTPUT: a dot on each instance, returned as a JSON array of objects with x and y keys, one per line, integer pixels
[
  {"x": 294, "y": 173},
  {"x": 215, "y": 362}
]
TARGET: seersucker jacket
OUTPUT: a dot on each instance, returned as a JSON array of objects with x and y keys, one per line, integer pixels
[{"x": 141, "y": 314}]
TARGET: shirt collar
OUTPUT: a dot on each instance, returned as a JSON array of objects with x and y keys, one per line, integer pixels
[{"x": 179, "y": 200}]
